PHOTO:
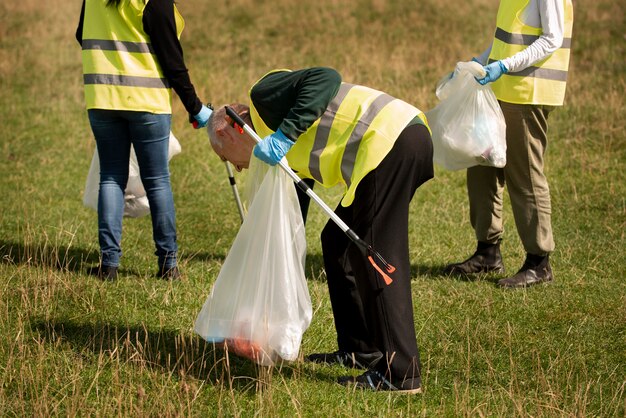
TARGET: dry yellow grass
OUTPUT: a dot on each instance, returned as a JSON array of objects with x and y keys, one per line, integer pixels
[{"x": 71, "y": 346}]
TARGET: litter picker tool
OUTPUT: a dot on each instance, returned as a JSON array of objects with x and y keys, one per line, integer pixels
[
  {"x": 377, "y": 260},
  {"x": 233, "y": 184}
]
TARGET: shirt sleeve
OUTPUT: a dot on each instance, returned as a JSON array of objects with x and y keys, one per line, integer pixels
[
  {"x": 160, "y": 25},
  {"x": 293, "y": 100},
  {"x": 552, "y": 18},
  {"x": 79, "y": 29}
]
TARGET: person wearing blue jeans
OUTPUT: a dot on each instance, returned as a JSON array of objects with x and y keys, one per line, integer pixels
[
  {"x": 149, "y": 134},
  {"x": 132, "y": 58}
]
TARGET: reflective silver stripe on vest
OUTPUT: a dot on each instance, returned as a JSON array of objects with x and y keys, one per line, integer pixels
[
  {"x": 520, "y": 39},
  {"x": 354, "y": 141},
  {"x": 323, "y": 130},
  {"x": 352, "y": 147},
  {"x": 125, "y": 80},
  {"x": 123, "y": 46},
  {"x": 538, "y": 72}
]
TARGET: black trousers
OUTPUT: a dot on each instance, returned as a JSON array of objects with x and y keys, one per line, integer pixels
[{"x": 369, "y": 315}]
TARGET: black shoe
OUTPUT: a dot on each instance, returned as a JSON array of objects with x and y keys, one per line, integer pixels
[
  {"x": 343, "y": 358},
  {"x": 170, "y": 273},
  {"x": 104, "y": 273},
  {"x": 374, "y": 380},
  {"x": 536, "y": 269},
  {"x": 486, "y": 259}
]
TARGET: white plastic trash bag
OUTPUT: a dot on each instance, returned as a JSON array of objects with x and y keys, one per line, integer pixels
[
  {"x": 467, "y": 125},
  {"x": 135, "y": 199},
  {"x": 259, "y": 306}
]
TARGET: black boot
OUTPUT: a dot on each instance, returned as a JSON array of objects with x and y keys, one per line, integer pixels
[
  {"x": 486, "y": 259},
  {"x": 536, "y": 269}
]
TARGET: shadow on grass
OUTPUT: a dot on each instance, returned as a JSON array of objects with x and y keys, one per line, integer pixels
[
  {"x": 202, "y": 256},
  {"x": 431, "y": 272},
  {"x": 57, "y": 257},
  {"x": 73, "y": 259},
  {"x": 167, "y": 350},
  {"x": 61, "y": 258},
  {"x": 436, "y": 272},
  {"x": 314, "y": 270}
]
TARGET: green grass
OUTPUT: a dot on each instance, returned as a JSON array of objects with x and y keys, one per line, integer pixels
[{"x": 73, "y": 346}]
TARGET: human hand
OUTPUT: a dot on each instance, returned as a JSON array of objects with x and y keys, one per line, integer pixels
[
  {"x": 494, "y": 71},
  {"x": 273, "y": 148},
  {"x": 202, "y": 118}
]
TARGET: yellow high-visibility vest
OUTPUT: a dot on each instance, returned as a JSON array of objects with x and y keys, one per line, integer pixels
[
  {"x": 120, "y": 69},
  {"x": 351, "y": 138},
  {"x": 542, "y": 83}
]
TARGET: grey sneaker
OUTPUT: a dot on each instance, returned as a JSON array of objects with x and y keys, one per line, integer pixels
[
  {"x": 343, "y": 358},
  {"x": 374, "y": 380}
]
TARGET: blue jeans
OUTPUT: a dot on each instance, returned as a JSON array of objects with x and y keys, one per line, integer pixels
[{"x": 115, "y": 131}]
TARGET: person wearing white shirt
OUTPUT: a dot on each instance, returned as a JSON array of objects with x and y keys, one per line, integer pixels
[{"x": 527, "y": 65}]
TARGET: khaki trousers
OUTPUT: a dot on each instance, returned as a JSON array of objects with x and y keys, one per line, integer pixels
[{"x": 526, "y": 140}]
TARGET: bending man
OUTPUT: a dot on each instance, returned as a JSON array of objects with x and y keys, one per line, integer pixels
[{"x": 380, "y": 149}]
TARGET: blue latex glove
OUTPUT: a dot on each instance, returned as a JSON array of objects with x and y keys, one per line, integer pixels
[
  {"x": 202, "y": 117},
  {"x": 273, "y": 148},
  {"x": 494, "y": 72}
]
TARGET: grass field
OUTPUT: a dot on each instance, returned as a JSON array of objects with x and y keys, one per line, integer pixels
[{"x": 73, "y": 346}]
